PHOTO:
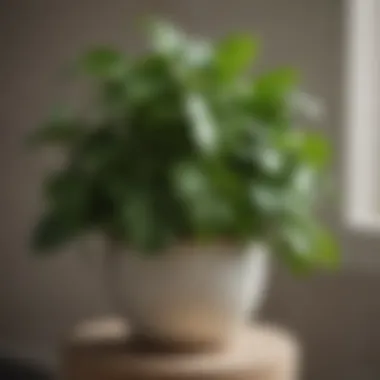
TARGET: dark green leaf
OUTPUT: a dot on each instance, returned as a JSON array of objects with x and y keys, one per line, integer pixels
[
  {"x": 142, "y": 227},
  {"x": 61, "y": 129},
  {"x": 139, "y": 219},
  {"x": 103, "y": 62},
  {"x": 52, "y": 233},
  {"x": 69, "y": 190},
  {"x": 100, "y": 150}
]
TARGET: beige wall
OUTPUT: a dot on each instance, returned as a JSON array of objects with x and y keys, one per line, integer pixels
[{"x": 39, "y": 300}]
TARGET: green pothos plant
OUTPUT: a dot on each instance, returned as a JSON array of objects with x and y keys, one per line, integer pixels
[{"x": 185, "y": 144}]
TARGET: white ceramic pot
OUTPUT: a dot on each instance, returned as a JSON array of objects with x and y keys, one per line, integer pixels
[{"x": 188, "y": 294}]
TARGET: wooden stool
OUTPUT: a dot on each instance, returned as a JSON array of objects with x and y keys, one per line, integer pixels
[{"x": 103, "y": 351}]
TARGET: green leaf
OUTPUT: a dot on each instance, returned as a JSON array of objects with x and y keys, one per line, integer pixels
[
  {"x": 265, "y": 198},
  {"x": 277, "y": 83},
  {"x": 199, "y": 54},
  {"x": 62, "y": 128},
  {"x": 165, "y": 38},
  {"x": 304, "y": 246},
  {"x": 185, "y": 58},
  {"x": 289, "y": 140},
  {"x": 271, "y": 161},
  {"x": 68, "y": 191},
  {"x": 204, "y": 128},
  {"x": 99, "y": 150},
  {"x": 141, "y": 223},
  {"x": 306, "y": 106},
  {"x": 315, "y": 150},
  {"x": 271, "y": 96},
  {"x": 52, "y": 233},
  {"x": 296, "y": 245},
  {"x": 115, "y": 98},
  {"x": 304, "y": 182},
  {"x": 308, "y": 146},
  {"x": 138, "y": 216},
  {"x": 328, "y": 250},
  {"x": 203, "y": 198},
  {"x": 295, "y": 250},
  {"x": 102, "y": 62},
  {"x": 234, "y": 55}
]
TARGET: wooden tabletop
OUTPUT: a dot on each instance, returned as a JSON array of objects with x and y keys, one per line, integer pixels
[{"x": 104, "y": 350}]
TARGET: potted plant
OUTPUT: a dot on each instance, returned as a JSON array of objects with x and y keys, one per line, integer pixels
[{"x": 193, "y": 170}]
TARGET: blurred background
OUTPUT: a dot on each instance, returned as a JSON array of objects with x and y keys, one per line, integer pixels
[{"x": 335, "y": 316}]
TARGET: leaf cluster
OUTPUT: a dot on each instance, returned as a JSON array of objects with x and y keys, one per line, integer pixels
[{"x": 185, "y": 144}]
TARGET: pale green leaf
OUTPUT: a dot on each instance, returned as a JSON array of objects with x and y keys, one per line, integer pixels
[{"x": 203, "y": 126}]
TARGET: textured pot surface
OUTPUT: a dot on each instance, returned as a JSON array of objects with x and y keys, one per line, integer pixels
[{"x": 188, "y": 294}]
